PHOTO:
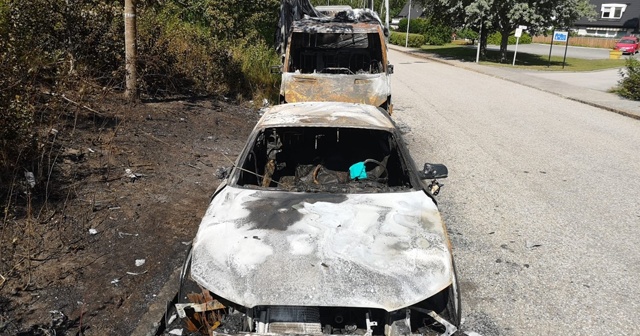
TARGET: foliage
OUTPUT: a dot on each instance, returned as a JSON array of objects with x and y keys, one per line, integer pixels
[
  {"x": 496, "y": 38},
  {"x": 505, "y": 15},
  {"x": 435, "y": 33},
  {"x": 467, "y": 33},
  {"x": 395, "y": 6},
  {"x": 416, "y": 26},
  {"x": 630, "y": 82},
  {"x": 415, "y": 40},
  {"x": 52, "y": 47}
]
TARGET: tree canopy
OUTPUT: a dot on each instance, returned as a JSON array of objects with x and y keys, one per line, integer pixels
[{"x": 504, "y": 16}]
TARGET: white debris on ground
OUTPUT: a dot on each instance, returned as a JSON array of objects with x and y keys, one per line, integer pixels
[
  {"x": 176, "y": 332},
  {"x": 140, "y": 262},
  {"x": 93, "y": 232}
]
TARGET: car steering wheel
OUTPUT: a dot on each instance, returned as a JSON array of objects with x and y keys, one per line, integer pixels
[{"x": 379, "y": 164}]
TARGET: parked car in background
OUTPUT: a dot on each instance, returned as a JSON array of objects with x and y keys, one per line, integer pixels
[
  {"x": 323, "y": 226},
  {"x": 628, "y": 45}
]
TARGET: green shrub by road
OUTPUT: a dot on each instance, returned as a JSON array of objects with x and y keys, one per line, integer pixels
[{"x": 415, "y": 40}]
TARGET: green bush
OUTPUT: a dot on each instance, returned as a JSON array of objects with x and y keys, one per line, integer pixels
[
  {"x": 417, "y": 26},
  {"x": 438, "y": 34},
  {"x": 434, "y": 33},
  {"x": 496, "y": 38},
  {"x": 415, "y": 40},
  {"x": 468, "y": 34},
  {"x": 630, "y": 82}
]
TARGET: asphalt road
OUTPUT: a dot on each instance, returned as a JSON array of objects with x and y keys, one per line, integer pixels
[{"x": 542, "y": 200}]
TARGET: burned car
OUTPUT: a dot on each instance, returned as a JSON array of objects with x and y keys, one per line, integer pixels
[
  {"x": 335, "y": 56},
  {"x": 323, "y": 226}
]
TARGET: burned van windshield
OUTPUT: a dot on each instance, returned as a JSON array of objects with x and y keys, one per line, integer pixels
[{"x": 350, "y": 53}]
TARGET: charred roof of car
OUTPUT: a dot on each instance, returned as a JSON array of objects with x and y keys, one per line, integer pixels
[{"x": 326, "y": 114}]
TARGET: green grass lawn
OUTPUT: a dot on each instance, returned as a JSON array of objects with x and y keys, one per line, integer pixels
[{"x": 523, "y": 60}]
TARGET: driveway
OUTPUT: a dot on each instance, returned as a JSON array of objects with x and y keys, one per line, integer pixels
[
  {"x": 558, "y": 50},
  {"x": 603, "y": 80}
]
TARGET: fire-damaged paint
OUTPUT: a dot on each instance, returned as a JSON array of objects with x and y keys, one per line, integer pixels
[
  {"x": 290, "y": 254},
  {"x": 323, "y": 114},
  {"x": 331, "y": 59},
  {"x": 383, "y": 251},
  {"x": 371, "y": 89}
]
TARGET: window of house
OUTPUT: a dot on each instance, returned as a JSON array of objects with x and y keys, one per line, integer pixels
[{"x": 612, "y": 11}]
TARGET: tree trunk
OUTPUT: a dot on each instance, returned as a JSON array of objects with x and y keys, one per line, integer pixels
[
  {"x": 504, "y": 42},
  {"x": 130, "y": 34}
]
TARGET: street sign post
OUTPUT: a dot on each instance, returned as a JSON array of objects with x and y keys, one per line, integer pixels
[
  {"x": 517, "y": 34},
  {"x": 560, "y": 36}
]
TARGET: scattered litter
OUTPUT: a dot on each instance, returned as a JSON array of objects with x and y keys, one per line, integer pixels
[
  {"x": 182, "y": 120},
  {"x": 324, "y": 265},
  {"x": 53, "y": 131},
  {"x": 472, "y": 333},
  {"x": 3, "y": 280},
  {"x": 133, "y": 273},
  {"x": 265, "y": 102},
  {"x": 187, "y": 243},
  {"x": 91, "y": 150},
  {"x": 31, "y": 180},
  {"x": 176, "y": 332},
  {"x": 58, "y": 318},
  {"x": 115, "y": 281},
  {"x": 130, "y": 174},
  {"x": 529, "y": 244},
  {"x": 140, "y": 262},
  {"x": 256, "y": 237},
  {"x": 126, "y": 234},
  {"x": 171, "y": 319},
  {"x": 114, "y": 208},
  {"x": 93, "y": 232}
]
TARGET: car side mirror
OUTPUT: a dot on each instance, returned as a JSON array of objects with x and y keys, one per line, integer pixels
[
  {"x": 276, "y": 69},
  {"x": 434, "y": 171},
  {"x": 389, "y": 69}
]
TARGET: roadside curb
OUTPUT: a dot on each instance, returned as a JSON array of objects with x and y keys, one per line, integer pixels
[
  {"x": 150, "y": 321},
  {"x": 458, "y": 64}
]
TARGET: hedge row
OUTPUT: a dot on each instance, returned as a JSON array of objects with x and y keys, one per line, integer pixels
[
  {"x": 415, "y": 40},
  {"x": 496, "y": 39}
]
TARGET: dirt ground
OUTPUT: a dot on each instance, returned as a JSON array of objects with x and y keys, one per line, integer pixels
[{"x": 139, "y": 175}]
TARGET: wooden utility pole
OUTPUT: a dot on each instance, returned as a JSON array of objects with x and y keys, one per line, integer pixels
[{"x": 130, "y": 34}]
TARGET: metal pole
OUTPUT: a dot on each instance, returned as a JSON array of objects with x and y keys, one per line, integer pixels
[
  {"x": 386, "y": 14},
  {"x": 566, "y": 46},
  {"x": 479, "y": 42},
  {"x": 406, "y": 40},
  {"x": 516, "y": 51},
  {"x": 551, "y": 47},
  {"x": 131, "y": 93}
]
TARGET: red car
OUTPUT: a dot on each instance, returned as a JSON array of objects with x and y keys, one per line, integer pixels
[{"x": 628, "y": 45}]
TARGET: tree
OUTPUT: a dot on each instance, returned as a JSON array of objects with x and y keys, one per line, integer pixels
[{"x": 504, "y": 16}]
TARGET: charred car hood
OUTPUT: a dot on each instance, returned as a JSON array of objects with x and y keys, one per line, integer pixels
[{"x": 384, "y": 250}]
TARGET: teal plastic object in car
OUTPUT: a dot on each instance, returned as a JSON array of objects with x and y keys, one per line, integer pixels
[{"x": 357, "y": 171}]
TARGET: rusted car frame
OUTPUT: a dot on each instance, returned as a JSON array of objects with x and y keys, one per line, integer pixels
[
  {"x": 341, "y": 58},
  {"x": 294, "y": 242}
]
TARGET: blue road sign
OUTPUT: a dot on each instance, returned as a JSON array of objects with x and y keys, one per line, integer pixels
[{"x": 560, "y": 36}]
